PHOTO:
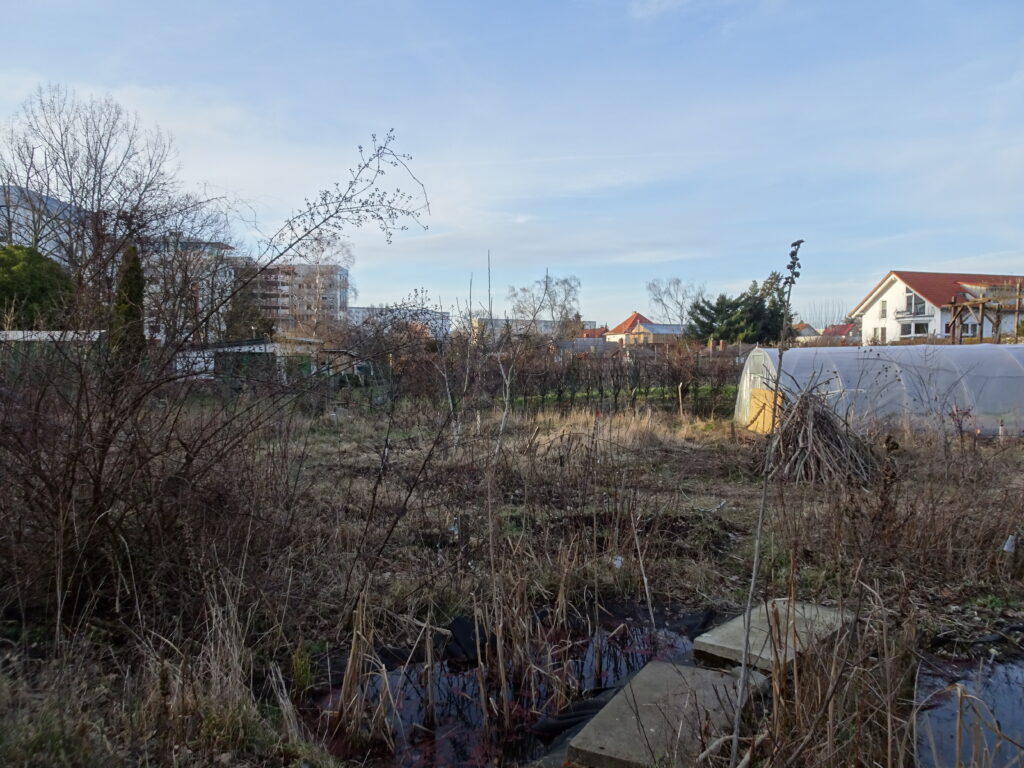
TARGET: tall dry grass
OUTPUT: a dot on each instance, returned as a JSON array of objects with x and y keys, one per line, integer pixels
[
  {"x": 202, "y": 561},
  {"x": 190, "y": 592},
  {"x": 926, "y": 535}
]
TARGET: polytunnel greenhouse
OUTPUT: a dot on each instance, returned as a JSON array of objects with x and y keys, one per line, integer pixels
[{"x": 968, "y": 387}]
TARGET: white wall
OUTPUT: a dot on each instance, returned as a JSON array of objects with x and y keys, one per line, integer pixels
[{"x": 894, "y": 295}]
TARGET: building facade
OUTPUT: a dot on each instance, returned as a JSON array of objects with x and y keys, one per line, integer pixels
[
  {"x": 804, "y": 333},
  {"x": 620, "y": 333},
  {"x": 434, "y": 322},
  {"x": 301, "y": 299},
  {"x": 188, "y": 285},
  {"x": 493, "y": 327},
  {"x": 909, "y": 306}
]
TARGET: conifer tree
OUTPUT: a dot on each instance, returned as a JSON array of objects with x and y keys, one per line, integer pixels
[
  {"x": 33, "y": 289},
  {"x": 127, "y": 325}
]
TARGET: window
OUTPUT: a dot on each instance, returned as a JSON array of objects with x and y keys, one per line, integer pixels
[
  {"x": 909, "y": 330},
  {"x": 915, "y": 304},
  {"x": 969, "y": 329},
  {"x": 881, "y": 309},
  {"x": 881, "y": 335}
]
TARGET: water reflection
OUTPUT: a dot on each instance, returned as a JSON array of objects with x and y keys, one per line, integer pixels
[
  {"x": 450, "y": 714},
  {"x": 981, "y": 704}
]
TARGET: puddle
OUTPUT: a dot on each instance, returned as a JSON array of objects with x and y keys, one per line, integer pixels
[
  {"x": 989, "y": 710},
  {"x": 437, "y": 713}
]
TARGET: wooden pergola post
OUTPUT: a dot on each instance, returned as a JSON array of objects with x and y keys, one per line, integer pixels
[{"x": 1016, "y": 316}]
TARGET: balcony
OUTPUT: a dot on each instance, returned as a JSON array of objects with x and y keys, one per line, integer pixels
[{"x": 908, "y": 314}]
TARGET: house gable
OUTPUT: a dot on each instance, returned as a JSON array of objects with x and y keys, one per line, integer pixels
[
  {"x": 629, "y": 324},
  {"x": 874, "y": 295},
  {"x": 907, "y": 305}
]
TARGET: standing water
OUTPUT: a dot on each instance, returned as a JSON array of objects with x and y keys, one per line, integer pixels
[
  {"x": 976, "y": 706},
  {"x": 436, "y": 714}
]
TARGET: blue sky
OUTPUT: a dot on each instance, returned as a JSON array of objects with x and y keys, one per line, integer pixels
[{"x": 617, "y": 140}]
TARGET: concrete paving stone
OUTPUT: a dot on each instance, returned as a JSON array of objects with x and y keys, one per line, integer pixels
[
  {"x": 800, "y": 625},
  {"x": 665, "y": 716}
]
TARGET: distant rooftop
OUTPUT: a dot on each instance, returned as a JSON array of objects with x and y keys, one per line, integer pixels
[
  {"x": 630, "y": 323},
  {"x": 662, "y": 329}
]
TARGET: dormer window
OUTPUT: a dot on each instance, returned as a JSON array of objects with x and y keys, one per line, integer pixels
[{"x": 915, "y": 304}]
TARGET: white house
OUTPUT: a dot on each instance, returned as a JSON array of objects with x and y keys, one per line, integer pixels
[
  {"x": 804, "y": 333},
  {"x": 918, "y": 305}
]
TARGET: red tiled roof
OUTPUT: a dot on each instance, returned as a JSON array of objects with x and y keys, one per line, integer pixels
[
  {"x": 629, "y": 323},
  {"x": 939, "y": 288},
  {"x": 593, "y": 333},
  {"x": 839, "y": 329}
]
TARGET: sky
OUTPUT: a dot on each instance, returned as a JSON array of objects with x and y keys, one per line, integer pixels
[{"x": 616, "y": 140}]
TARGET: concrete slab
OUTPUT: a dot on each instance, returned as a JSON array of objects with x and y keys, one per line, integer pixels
[
  {"x": 795, "y": 627},
  {"x": 664, "y": 716}
]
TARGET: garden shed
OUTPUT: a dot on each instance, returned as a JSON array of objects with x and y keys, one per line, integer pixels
[{"x": 968, "y": 387}]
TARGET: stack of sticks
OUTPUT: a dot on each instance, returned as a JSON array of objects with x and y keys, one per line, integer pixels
[{"x": 814, "y": 444}]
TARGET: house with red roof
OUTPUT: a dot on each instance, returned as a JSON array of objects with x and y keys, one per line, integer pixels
[
  {"x": 907, "y": 305},
  {"x": 840, "y": 333},
  {"x": 804, "y": 333},
  {"x": 637, "y": 330},
  {"x": 620, "y": 332}
]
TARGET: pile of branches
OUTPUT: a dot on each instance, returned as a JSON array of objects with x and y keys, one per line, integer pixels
[{"x": 814, "y": 444}]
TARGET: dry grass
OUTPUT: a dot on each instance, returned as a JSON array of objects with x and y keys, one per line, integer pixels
[
  {"x": 903, "y": 553},
  {"x": 100, "y": 705},
  {"x": 333, "y": 537},
  {"x": 365, "y": 530}
]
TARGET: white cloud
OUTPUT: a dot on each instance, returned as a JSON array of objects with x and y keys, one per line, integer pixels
[{"x": 875, "y": 163}]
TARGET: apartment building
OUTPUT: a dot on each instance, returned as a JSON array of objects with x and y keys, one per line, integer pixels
[{"x": 302, "y": 299}]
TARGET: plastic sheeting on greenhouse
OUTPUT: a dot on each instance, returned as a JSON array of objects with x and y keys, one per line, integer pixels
[{"x": 963, "y": 387}]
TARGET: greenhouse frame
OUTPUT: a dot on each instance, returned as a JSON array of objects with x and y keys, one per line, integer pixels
[{"x": 977, "y": 388}]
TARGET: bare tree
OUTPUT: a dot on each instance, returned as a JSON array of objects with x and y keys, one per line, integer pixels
[
  {"x": 107, "y": 471},
  {"x": 824, "y": 312},
  {"x": 672, "y": 299},
  {"x": 319, "y": 303},
  {"x": 82, "y": 179},
  {"x": 552, "y": 299}
]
